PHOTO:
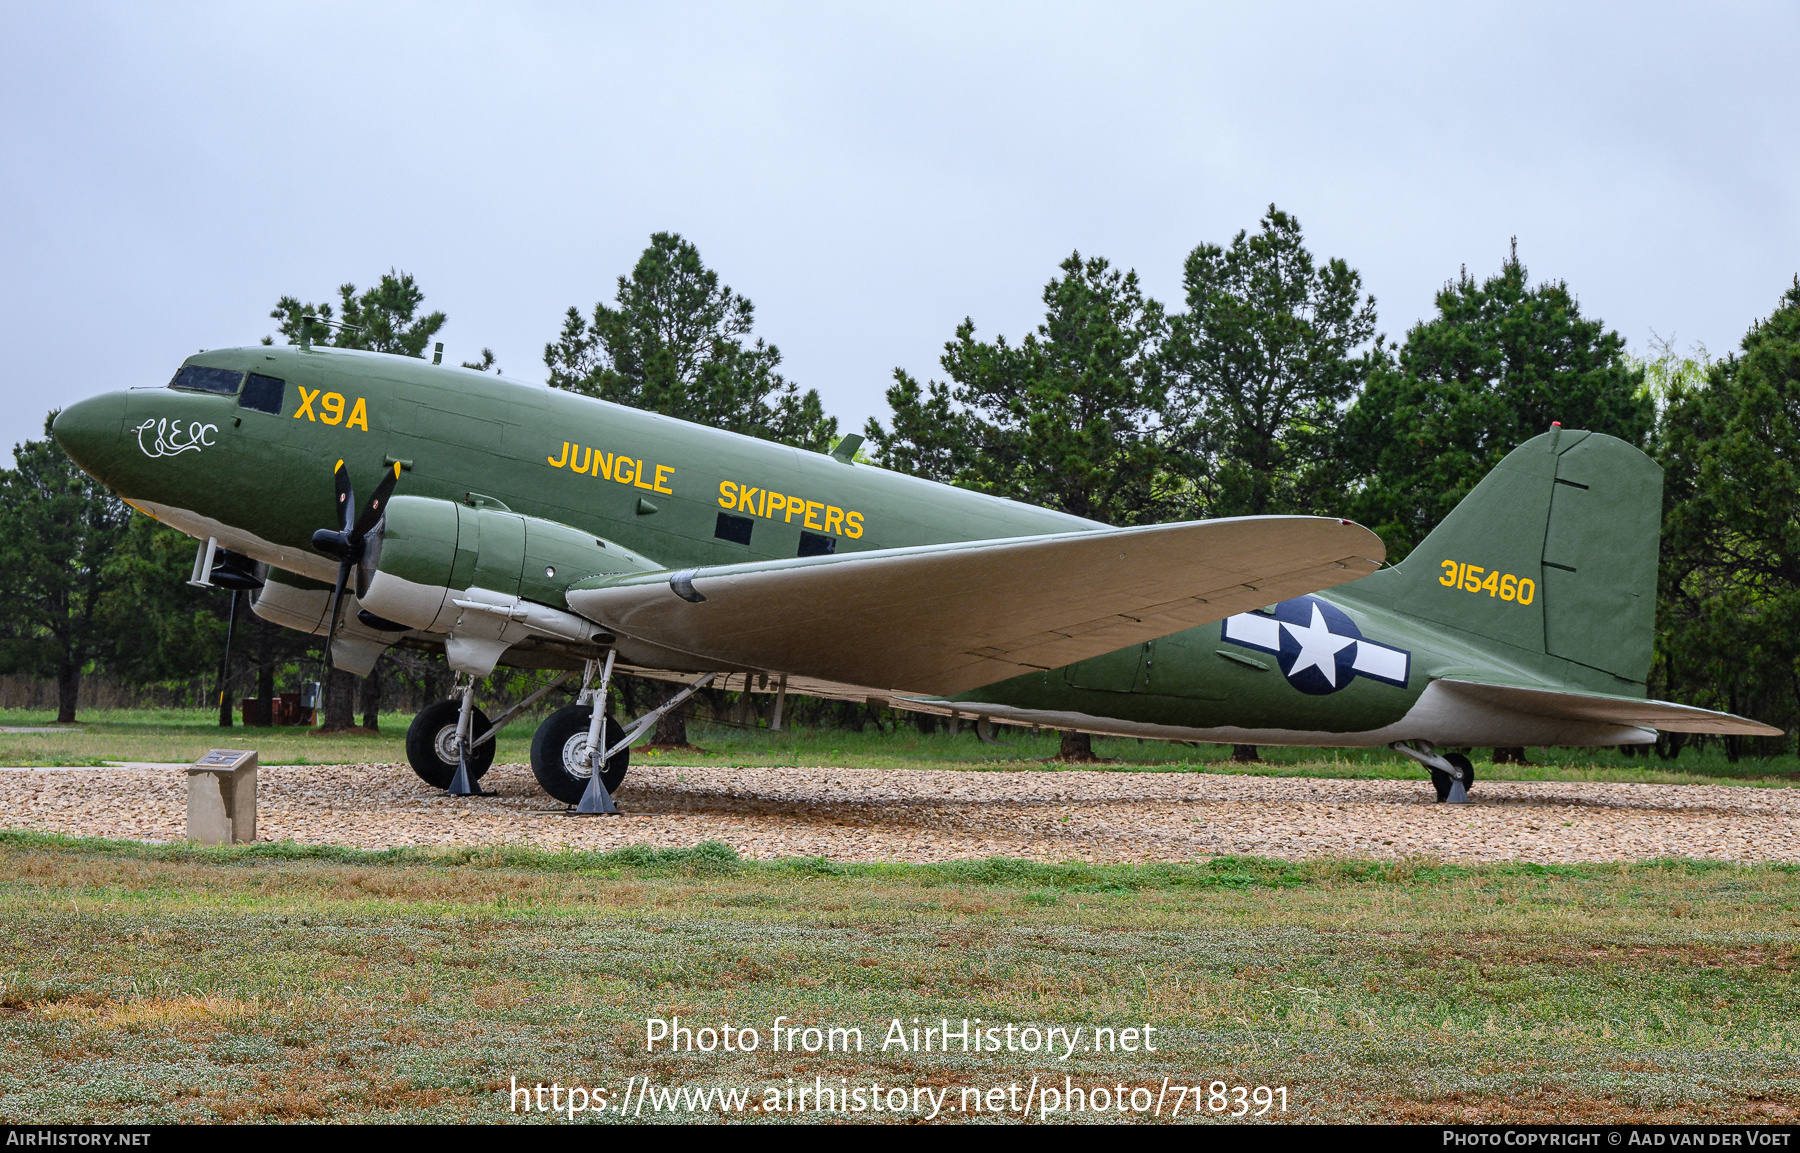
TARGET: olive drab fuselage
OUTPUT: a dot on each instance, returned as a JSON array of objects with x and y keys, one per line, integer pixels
[{"x": 256, "y": 464}]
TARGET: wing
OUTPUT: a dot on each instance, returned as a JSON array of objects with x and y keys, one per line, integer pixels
[
  {"x": 1600, "y": 708},
  {"x": 950, "y": 617}
]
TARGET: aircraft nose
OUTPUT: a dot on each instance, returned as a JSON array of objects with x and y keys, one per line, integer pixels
[{"x": 89, "y": 429}]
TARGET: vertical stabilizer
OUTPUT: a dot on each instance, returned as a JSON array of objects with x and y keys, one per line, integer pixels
[{"x": 1554, "y": 553}]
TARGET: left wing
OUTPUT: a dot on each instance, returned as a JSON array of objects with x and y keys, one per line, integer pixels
[{"x": 945, "y": 618}]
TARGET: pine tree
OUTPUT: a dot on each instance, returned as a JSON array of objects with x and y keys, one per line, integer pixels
[
  {"x": 1067, "y": 418},
  {"x": 58, "y": 530},
  {"x": 1729, "y": 611},
  {"x": 678, "y": 342},
  {"x": 1259, "y": 368},
  {"x": 382, "y": 319},
  {"x": 1498, "y": 363}
]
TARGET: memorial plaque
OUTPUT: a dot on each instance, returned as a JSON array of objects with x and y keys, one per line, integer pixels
[{"x": 221, "y": 801}]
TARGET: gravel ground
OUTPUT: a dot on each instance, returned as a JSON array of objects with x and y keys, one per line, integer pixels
[{"x": 936, "y": 815}]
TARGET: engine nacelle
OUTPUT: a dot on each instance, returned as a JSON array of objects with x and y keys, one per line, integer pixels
[
  {"x": 302, "y": 604},
  {"x": 487, "y": 577}
]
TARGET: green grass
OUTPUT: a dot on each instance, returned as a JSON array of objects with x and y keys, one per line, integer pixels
[
  {"x": 185, "y": 734},
  {"x": 180, "y": 735},
  {"x": 172, "y": 983}
]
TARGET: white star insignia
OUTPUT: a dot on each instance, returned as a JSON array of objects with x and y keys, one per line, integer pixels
[{"x": 1319, "y": 647}]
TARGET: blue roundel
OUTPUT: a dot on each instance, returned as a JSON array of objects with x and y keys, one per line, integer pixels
[{"x": 1319, "y": 648}]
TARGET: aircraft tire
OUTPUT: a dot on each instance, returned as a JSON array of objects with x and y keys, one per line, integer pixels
[
  {"x": 559, "y": 754},
  {"x": 1440, "y": 780},
  {"x": 431, "y": 744}
]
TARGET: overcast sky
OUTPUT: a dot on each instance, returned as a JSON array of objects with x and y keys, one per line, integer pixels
[{"x": 867, "y": 175}]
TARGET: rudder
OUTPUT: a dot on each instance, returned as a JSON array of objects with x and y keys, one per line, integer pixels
[{"x": 1600, "y": 557}]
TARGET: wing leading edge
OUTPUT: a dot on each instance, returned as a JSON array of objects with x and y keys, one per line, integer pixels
[{"x": 946, "y": 618}]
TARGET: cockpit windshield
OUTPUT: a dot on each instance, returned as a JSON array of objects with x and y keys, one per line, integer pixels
[{"x": 195, "y": 378}]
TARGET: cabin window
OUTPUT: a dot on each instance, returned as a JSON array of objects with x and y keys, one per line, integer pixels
[
  {"x": 812, "y": 544},
  {"x": 196, "y": 378},
  {"x": 735, "y": 529},
  {"x": 263, "y": 393}
]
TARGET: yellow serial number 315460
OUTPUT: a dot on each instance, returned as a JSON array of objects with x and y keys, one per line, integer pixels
[{"x": 1475, "y": 579}]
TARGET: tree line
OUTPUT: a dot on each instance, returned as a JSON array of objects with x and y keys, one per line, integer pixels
[{"x": 1268, "y": 389}]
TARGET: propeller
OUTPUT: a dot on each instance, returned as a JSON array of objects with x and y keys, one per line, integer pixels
[{"x": 349, "y": 544}]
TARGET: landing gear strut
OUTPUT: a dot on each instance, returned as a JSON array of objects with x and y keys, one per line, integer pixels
[
  {"x": 460, "y": 784},
  {"x": 567, "y": 748},
  {"x": 575, "y": 764},
  {"x": 597, "y": 798},
  {"x": 434, "y": 744},
  {"x": 1451, "y": 773}
]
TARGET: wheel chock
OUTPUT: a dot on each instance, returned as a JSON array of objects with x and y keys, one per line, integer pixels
[
  {"x": 1458, "y": 794},
  {"x": 596, "y": 801},
  {"x": 461, "y": 785}
]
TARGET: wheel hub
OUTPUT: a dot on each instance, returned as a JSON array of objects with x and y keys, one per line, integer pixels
[
  {"x": 445, "y": 745},
  {"x": 575, "y": 757}
]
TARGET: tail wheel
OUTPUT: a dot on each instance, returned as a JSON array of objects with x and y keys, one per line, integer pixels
[
  {"x": 431, "y": 744},
  {"x": 1440, "y": 780},
  {"x": 559, "y": 754}
]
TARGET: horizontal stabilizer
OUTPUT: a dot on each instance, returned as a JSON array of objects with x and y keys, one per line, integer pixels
[
  {"x": 1599, "y": 708},
  {"x": 949, "y": 617}
]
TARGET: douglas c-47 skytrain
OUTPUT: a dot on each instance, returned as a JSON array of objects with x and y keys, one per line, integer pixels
[{"x": 511, "y": 523}]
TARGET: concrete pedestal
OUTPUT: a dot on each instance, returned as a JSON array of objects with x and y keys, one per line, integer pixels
[{"x": 221, "y": 799}]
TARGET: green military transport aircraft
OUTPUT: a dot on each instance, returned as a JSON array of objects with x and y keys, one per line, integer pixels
[{"x": 511, "y": 523}]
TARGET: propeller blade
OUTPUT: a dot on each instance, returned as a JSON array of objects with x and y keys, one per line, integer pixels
[
  {"x": 346, "y": 496},
  {"x": 372, "y": 511},
  {"x": 346, "y": 543},
  {"x": 337, "y": 596}
]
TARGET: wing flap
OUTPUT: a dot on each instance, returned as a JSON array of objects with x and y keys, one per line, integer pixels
[
  {"x": 1599, "y": 707},
  {"x": 946, "y": 618}
]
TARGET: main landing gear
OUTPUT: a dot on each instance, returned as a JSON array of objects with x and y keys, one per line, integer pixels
[
  {"x": 569, "y": 745},
  {"x": 434, "y": 742},
  {"x": 560, "y": 760},
  {"x": 451, "y": 744},
  {"x": 1452, "y": 774}
]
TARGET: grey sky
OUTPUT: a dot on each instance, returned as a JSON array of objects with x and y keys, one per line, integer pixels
[{"x": 868, "y": 176}]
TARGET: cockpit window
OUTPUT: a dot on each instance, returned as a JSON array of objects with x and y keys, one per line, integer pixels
[
  {"x": 194, "y": 378},
  {"x": 263, "y": 393}
]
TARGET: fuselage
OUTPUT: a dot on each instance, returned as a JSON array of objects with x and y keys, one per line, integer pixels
[
  {"x": 651, "y": 483},
  {"x": 253, "y": 469}
]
